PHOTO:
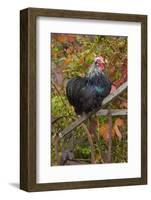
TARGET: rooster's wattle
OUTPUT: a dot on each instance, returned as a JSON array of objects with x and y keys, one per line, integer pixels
[{"x": 86, "y": 94}]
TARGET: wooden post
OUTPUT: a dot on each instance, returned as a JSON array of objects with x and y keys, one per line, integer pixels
[{"x": 109, "y": 159}]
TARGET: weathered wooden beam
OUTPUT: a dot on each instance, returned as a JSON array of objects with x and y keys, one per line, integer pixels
[
  {"x": 109, "y": 156},
  {"x": 83, "y": 118},
  {"x": 113, "y": 112},
  {"x": 117, "y": 92}
]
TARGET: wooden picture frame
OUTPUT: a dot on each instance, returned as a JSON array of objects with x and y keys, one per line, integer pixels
[{"x": 28, "y": 98}]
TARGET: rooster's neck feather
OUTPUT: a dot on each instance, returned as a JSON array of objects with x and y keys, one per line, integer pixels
[{"x": 93, "y": 71}]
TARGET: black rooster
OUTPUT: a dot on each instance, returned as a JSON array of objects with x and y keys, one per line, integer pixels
[{"x": 86, "y": 94}]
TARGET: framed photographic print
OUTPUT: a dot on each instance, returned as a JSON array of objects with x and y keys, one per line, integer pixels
[{"x": 83, "y": 99}]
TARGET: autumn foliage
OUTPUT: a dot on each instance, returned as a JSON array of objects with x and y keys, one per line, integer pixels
[
  {"x": 72, "y": 55},
  {"x": 104, "y": 130}
]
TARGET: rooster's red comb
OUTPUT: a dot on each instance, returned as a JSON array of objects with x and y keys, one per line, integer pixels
[{"x": 99, "y": 58}]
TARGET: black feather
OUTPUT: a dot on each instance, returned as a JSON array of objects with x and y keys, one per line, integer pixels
[{"x": 87, "y": 93}]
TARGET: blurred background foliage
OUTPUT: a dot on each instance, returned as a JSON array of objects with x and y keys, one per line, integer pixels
[{"x": 72, "y": 55}]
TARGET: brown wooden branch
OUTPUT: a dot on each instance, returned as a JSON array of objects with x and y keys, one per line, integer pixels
[
  {"x": 56, "y": 145},
  {"x": 90, "y": 142},
  {"x": 113, "y": 112},
  {"x": 99, "y": 146},
  {"x": 55, "y": 119},
  {"x": 83, "y": 118},
  {"x": 122, "y": 99},
  {"x": 109, "y": 159}
]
